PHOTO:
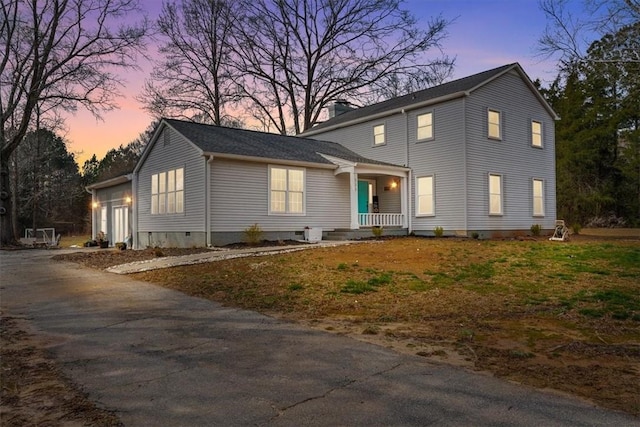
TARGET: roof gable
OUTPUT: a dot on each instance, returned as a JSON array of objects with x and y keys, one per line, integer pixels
[{"x": 433, "y": 95}]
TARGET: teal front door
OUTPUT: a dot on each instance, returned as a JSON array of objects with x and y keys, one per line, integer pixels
[{"x": 363, "y": 197}]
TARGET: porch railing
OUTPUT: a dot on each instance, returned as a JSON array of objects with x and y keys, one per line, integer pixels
[{"x": 380, "y": 219}]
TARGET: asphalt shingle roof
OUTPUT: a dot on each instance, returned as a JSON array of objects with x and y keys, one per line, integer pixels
[
  {"x": 242, "y": 142},
  {"x": 449, "y": 88}
]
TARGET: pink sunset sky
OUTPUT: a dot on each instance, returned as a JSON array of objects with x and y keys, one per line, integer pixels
[{"x": 486, "y": 34}]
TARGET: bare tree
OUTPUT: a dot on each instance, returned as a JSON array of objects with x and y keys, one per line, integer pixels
[
  {"x": 58, "y": 54},
  {"x": 568, "y": 35},
  {"x": 297, "y": 56},
  {"x": 193, "y": 79}
]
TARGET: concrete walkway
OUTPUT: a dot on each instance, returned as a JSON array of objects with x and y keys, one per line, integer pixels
[
  {"x": 217, "y": 255},
  {"x": 160, "y": 358}
]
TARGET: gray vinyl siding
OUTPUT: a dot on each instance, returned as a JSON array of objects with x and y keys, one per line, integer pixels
[
  {"x": 513, "y": 157},
  {"x": 166, "y": 154},
  {"x": 239, "y": 198},
  {"x": 443, "y": 158},
  {"x": 359, "y": 138}
]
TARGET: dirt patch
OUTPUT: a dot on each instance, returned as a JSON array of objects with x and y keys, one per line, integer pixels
[{"x": 34, "y": 390}]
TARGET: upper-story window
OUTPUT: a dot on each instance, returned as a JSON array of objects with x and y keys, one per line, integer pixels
[
  {"x": 494, "y": 127},
  {"x": 536, "y": 133},
  {"x": 167, "y": 192},
  {"x": 425, "y": 126},
  {"x": 378, "y": 135},
  {"x": 286, "y": 190}
]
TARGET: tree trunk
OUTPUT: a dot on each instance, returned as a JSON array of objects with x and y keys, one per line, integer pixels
[{"x": 6, "y": 229}]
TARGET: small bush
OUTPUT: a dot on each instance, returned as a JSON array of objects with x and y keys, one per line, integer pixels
[
  {"x": 438, "y": 231},
  {"x": 253, "y": 234},
  {"x": 536, "y": 229},
  {"x": 158, "y": 252},
  {"x": 121, "y": 246},
  {"x": 475, "y": 235},
  {"x": 576, "y": 228},
  {"x": 377, "y": 231}
]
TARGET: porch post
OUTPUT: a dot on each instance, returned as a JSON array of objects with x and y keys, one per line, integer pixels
[
  {"x": 353, "y": 192},
  {"x": 94, "y": 214},
  {"x": 404, "y": 201}
]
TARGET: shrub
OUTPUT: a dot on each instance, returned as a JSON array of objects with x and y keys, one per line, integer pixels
[
  {"x": 121, "y": 245},
  {"x": 377, "y": 231},
  {"x": 536, "y": 229},
  {"x": 475, "y": 235},
  {"x": 576, "y": 228},
  {"x": 253, "y": 234},
  {"x": 438, "y": 231}
]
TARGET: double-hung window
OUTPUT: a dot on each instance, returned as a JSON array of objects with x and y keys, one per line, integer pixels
[
  {"x": 425, "y": 126},
  {"x": 286, "y": 190},
  {"x": 536, "y": 133},
  {"x": 538, "y": 197},
  {"x": 494, "y": 125},
  {"x": 378, "y": 135},
  {"x": 426, "y": 196},
  {"x": 495, "y": 194},
  {"x": 167, "y": 192}
]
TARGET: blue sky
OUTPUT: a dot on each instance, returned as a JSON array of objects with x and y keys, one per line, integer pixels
[{"x": 485, "y": 34}]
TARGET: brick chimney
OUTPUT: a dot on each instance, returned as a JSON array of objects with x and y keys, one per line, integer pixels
[{"x": 339, "y": 107}]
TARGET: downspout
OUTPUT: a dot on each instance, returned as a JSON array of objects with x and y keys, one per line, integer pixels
[
  {"x": 466, "y": 166},
  {"x": 409, "y": 174},
  {"x": 207, "y": 199},
  {"x": 134, "y": 211}
]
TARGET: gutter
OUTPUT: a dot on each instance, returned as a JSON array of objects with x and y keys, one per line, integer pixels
[
  {"x": 385, "y": 113},
  {"x": 211, "y": 155}
]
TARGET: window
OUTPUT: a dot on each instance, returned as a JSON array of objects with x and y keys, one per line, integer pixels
[
  {"x": 493, "y": 120},
  {"x": 425, "y": 126},
  {"x": 425, "y": 193},
  {"x": 538, "y": 197},
  {"x": 167, "y": 192},
  {"x": 286, "y": 190},
  {"x": 495, "y": 194},
  {"x": 378, "y": 135},
  {"x": 536, "y": 134}
]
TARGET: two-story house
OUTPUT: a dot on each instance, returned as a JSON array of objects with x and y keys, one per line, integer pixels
[{"x": 481, "y": 153}]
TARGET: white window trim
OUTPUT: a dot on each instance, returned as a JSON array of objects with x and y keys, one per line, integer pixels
[
  {"x": 433, "y": 130},
  {"x": 304, "y": 192},
  {"x": 165, "y": 193},
  {"x": 501, "y": 213},
  {"x": 533, "y": 198},
  {"x": 500, "y": 119},
  {"x": 541, "y": 134},
  {"x": 384, "y": 134},
  {"x": 433, "y": 196}
]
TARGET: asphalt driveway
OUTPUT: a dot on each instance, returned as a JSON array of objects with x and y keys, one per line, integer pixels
[{"x": 161, "y": 358}]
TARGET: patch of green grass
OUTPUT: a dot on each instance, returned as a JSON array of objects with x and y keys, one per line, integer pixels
[
  {"x": 360, "y": 287},
  {"x": 620, "y": 304},
  {"x": 295, "y": 287},
  {"x": 356, "y": 287},
  {"x": 342, "y": 266}
]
